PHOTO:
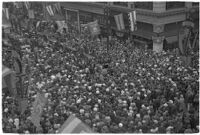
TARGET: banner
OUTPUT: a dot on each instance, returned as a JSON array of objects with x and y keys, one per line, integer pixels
[
  {"x": 119, "y": 21},
  {"x": 132, "y": 19},
  {"x": 31, "y": 14},
  {"x": 38, "y": 105},
  {"x": 94, "y": 28},
  {"x": 74, "y": 125},
  {"x": 61, "y": 25}
]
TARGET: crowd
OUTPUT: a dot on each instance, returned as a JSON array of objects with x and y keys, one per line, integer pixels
[{"x": 120, "y": 90}]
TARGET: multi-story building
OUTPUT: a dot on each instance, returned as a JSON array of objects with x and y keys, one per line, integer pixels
[{"x": 153, "y": 18}]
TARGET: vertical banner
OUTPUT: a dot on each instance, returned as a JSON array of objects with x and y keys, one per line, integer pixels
[
  {"x": 157, "y": 44},
  {"x": 132, "y": 19},
  {"x": 119, "y": 21}
]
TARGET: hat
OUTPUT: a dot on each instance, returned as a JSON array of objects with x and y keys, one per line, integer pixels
[
  {"x": 138, "y": 115},
  {"x": 165, "y": 105},
  {"x": 170, "y": 101}
]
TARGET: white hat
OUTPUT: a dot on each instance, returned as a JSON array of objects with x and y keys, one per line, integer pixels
[{"x": 138, "y": 115}]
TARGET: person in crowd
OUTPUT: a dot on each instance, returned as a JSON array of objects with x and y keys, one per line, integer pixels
[{"x": 128, "y": 91}]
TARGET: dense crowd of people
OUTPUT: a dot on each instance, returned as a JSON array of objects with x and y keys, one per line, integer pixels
[{"x": 121, "y": 90}]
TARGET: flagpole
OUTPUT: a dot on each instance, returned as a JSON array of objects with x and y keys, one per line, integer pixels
[{"x": 106, "y": 16}]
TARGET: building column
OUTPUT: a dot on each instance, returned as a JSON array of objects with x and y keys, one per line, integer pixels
[
  {"x": 158, "y": 28},
  {"x": 158, "y": 40},
  {"x": 158, "y": 43},
  {"x": 159, "y": 7}
]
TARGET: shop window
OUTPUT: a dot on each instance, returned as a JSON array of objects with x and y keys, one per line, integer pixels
[
  {"x": 174, "y": 5},
  {"x": 144, "y": 5}
]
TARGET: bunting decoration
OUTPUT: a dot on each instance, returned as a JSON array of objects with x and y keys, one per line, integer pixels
[
  {"x": 132, "y": 18},
  {"x": 119, "y": 21}
]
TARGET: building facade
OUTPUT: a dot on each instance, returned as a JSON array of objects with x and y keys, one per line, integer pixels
[{"x": 162, "y": 19}]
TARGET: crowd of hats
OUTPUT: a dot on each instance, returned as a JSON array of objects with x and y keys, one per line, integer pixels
[{"x": 127, "y": 90}]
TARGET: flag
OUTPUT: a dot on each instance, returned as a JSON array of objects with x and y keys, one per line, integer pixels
[
  {"x": 6, "y": 13},
  {"x": 23, "y": 104},
  {"x": 18, "y": 4},
  {"x": 39, "y": 103},
  {"x": 9, "y": 79},
  {"x": 17, "y": 62},
  {"x": 6, "y": 71},
  {"x": 57, "y": 7},
  {"x": 181, "y": 42},
  {"x": 94, "y": 28},
  {"x": 27, "y": 5},
  {"x": 119, "y": 21},
  {"x": 38, "y": 24},
  {"x": 50, "y": 10},
  {"x": 31, "y": 14},
  {"x": 74, "y": 125},
  {"x": 132, "y": 19}
]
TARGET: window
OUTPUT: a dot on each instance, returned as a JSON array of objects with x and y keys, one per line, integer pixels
[
  {"x": 195, "y": 3},
  {"x": 102, "y": 2},
  {"x": 172, "y": 26},
  {"x": 174, "y": 5},
  {"x": 124, "y": 4},
  {"x": 144, "y": 5},
  {"x": 144, "y": 26}
]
